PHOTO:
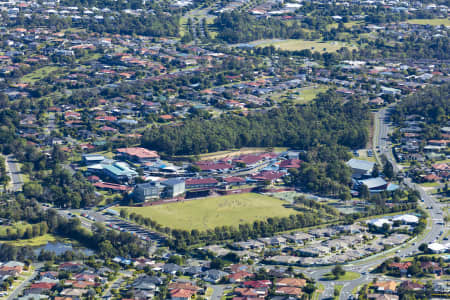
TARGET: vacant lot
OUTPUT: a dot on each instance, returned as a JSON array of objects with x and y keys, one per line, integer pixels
[
  {"x": 296, "y": 45},
  {"x": 208, "y": 213},
  {"x": 433, "y": 22},
  {"x": 300, "y": 95}
]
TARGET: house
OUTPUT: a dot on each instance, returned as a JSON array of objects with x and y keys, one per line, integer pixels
[
  {"x": 181, "y": 294},
  {"x": 431, "y": 267},
  {"x": 240, "y": 276},
  {"x": 289, "y": 291},
  {"x": 138, "y": 154},
  {"x": 411, "y": 286},
  {"x": 172, "y": 268},
  {"x": 382, "y": 297},
  {"x": 386, "y": 287},
  {"x": 401, "y": 266},
  {"x": 213, "y": 276},
  {"x": 299, "y": 237},
  {"x": 292, "y": 282}
]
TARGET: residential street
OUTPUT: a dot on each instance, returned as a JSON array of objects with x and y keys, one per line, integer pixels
[
  {"x": 14, "y": 173},
  {"x": 16, "y": 292}
]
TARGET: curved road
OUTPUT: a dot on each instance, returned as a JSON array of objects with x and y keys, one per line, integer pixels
[{"x": 364, "y": 266}]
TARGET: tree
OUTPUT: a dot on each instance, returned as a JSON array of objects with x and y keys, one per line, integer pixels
[
  {"x": 423, "y": 247},
  {"x": 310, "y": 289},
  {"x": 375, "y": 171},
  {"x": 364, "y": 192},
  {"x": 338, "y": 271},
  {"x": 388, "y": 169},
  {"x": 124, "y": 213},
  {"x": 336, "y": 292}
]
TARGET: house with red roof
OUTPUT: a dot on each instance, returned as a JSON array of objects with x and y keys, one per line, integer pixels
[
  {"x": 240, "y": 276},
  {"x": 181, "y": 294},
  {"x": 401, "y": 266}
]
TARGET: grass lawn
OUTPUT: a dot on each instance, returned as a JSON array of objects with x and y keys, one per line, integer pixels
[
  {"x": 210, "y": 212},
  {"x": 296, "y": 45},
  {"x": 38, "y": 74},
  {"x": 433, "y": 22},
  {"x": 430, "y": 184},
  {"x": 37, "y": 241},
  {"x": 347, "y": 276},
  {"x": 301, "y": 95}
]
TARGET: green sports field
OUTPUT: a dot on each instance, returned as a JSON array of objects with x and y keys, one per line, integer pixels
[{"x": 210, "y": 212}]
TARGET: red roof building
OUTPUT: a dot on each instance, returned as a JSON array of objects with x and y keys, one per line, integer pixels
[
  {"x": 112, "y": 187},
  {"x": 213, "y": 166},
  {"x": 196, "y": 183},
  {"x": 290, "y": 163},
  {"x": 138, "y": 154}
]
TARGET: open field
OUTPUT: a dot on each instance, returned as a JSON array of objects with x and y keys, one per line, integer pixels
[
  {"x": 296, "y": 45},
  {"x": 38, "y": 74},
  {"x": 301, "y": 95},
  {"x": 433, "y": 22},
  {"x": 208, "y": 213}
]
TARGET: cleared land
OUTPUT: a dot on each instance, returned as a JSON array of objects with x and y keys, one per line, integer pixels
[
  {"x": 296, "y": 45},
  {"x": 230, "y": 153},
  {"x": 208, "y": 213},
  {"x": 433, "y": 22}
]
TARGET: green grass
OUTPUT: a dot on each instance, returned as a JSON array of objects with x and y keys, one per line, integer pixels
[
  {"x": 430, "y": 184},
  {"x": 208, "y": 213},
  {"x": 349, "y": 24},
  {"x": 37, "y": 241},
  {"x": 38, "y": 74},
  {"x": 302, "y": 95},
  {"x": 347, "y": 276},
  {"x": 433, "y": 22},
  {"x": 296, "y": 45}
]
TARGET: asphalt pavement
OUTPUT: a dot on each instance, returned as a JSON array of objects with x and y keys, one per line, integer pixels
[{"x": 14, "y": 173}]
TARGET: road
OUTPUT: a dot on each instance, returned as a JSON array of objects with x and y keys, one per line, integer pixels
[
  {"x": 14, "y": 173},
  {"x": 17, "y": 291},
  {"x": 218, "y": 291},
  {"x": 381, "y": 143},
  {"x": 364, "y": 266}
]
